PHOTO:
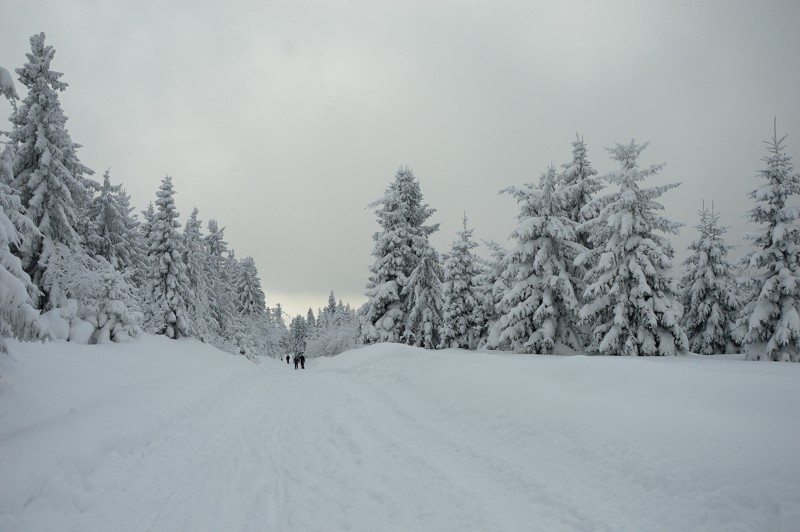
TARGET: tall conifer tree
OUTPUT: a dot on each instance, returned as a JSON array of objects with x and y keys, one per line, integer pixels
[
  {"x": 47, "y": 172},
  {"x": 772, "y": 321},
  {"x": 399, "y": 246},
  {"x": 167, "y": 285},
  {"x": 630, "y": 300}
]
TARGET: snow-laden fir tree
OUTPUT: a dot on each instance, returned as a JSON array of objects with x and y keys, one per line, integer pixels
[
  {"x": 113, "y": 232},
  {"x": 772, "y": 321},
  {"x": 198, "y": 270},
  {"x": 578, "y": 176},
  {"x": 222, "y": 300},
  {"x": 399, "y": 246},
  {"x": 630, "y": 300},
  {"x": 707, "y": 291},
  {"x": 248, "y": 288},
  {"x": 491, "y": 287},
  {"x": 540, "y": 307},
  {"x": 18, "y": 318},
  {"x": 328, "y": 314},
  {"x": 311, "y": 320},
  {"x": 461, "y": 293},
  {"x": 168, "y": 287},
  {"x": 423, "y": 297},
  {"x": 149, "y": 215},
  {"x": 297, "y": 336},
  {"x": 48, "y": 174},
  {"x": 256, "y": 336}
]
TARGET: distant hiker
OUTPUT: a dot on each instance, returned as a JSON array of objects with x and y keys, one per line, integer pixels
[
  {"x": 302, "y": 362},
  {"x": 287, "y": 359},
  {"x": 296, "y": 361}
]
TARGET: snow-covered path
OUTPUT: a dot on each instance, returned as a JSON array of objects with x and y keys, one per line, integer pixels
[{"x": 392, "y": 438}]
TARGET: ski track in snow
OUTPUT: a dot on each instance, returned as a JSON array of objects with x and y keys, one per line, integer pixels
[{"x": 394, "y": 439}]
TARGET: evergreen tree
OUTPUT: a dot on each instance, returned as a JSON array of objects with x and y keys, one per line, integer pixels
[
  {"x": 47, "y": 171},
  {"x": 223, "y": 305},
  {"x": 167, "y": 285},
  {"x": 709, "y": 302},
  {"x": 540, "y": 308},
  {"x": 149, "y": 215},
  {"x": 198, "y": 271},
  {"x": 248, "y": 287},
  {"x": 113, "y": 234},
  {"x": 18, "y": 318},
  {"x": 772, "y": 321},
  {"x": 310, "y": 320},
  {"x": 298, "y": 335},
  {"x": 423, "y": 296},
  {"x": 491, "y": 287},
  {"x": 399, "y": 246},
  {"x": 579, "y": 178},
  {"x": 461, "y": 293},
  {"x": 630, "y": 300}
]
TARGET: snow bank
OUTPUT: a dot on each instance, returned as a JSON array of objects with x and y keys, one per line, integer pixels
[{"x": 164, "y": 435}]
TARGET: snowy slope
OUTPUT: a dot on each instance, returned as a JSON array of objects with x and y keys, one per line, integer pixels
[{"x": 165, "y": 436}]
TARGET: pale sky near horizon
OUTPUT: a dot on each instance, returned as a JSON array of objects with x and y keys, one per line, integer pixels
[{"x": 284, "y": 120}]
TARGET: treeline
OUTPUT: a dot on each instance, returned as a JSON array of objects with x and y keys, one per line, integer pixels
[
  {"x": 77, "y": 262},
  {"x": 591, "y": 270}
]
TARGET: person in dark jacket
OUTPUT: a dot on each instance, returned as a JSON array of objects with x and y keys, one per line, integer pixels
[
  {"x": 302, "y": 362},
  {"x": 296, "y": 361},
  {"x": 287, "y": 359}
]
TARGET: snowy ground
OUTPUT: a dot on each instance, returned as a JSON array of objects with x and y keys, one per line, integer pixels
[{"x": 170, "y": 436}]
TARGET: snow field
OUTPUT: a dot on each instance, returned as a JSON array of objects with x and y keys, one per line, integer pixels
[{"x": 165, "y": 435}]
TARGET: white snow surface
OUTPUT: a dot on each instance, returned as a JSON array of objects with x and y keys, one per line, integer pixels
[{"x": 164, "y": 435}]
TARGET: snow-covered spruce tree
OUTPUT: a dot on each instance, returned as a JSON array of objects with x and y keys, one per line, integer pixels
[
  {"x": 423, "y": 297},
  {"x": 540, "y": 308},
  {"x": 772, "y": 320},
  {"x": 48, "y": 174},
  {"x": 578, "y": 176},
  {"x": 399, "y": 245},
  {"x": 18, "y": 318},
  {"x": 709, "y": 302},
  {"x": 248, "y": 288},
  {"x": 197, "y": 269},
  {"x": 630, "y": 300},
  {"x": 255, "y": 337},
  {"x": 461, "y": 293},
  {"x": 114, "y": 233},
  {"x": 297, "y": 336},
  {"x": 167, "y": 284},
  {"x": 491, "y": 287},
  {"x": 222, "y": 301}
]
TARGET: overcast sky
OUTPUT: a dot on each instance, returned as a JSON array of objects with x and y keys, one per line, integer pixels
[{"x": 283, "y": 120}]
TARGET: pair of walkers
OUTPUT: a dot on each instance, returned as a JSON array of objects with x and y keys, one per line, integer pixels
[{"x": 298, "y": 360}]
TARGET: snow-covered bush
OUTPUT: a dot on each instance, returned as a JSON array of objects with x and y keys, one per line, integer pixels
[{"x": 104, "y": 296}]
